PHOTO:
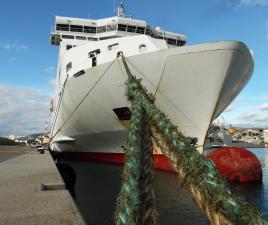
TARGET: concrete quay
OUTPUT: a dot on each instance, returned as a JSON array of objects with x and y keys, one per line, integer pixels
[{"x": 32, "y": 191}]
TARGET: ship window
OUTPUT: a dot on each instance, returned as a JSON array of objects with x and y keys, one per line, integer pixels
[
  {"x": 81, "y": 38},
  {"x": 122, "y": 27},
  {"x": 148, "y": 31},
  {"x": 131, "y": 29},
  {"x": 94, "y": 61},
  {"x": 123, "y": 113},
  {"x": 142, "y": 48},
  {"x": 76, "y": 28},
  {"x": 108, "y": 37},
  {"x": 93, "y": 53},
  {"x": 68, "y": 47},
  {"x": 63, "y": 27},
  {"x": 67, "y": 36},
  {"x": 111, "y": 27},
  {"x": 93, "y": 56},
  {"x": 92, "y": 39},
  {"x": 159, "y": 37},
  {"x": 68, "y": 67},
  {"x": 89, "y": 29},
  {"x": 59, "y": 74},
  {"x": 180, "y": 43},
  {"x": 153, "y": 35},
  {"x": 113, "y": 46},
  {"x": 140, "y": 30},
  {"x": 79, "y": 73},
  {"x": 171, "y": 41},
  {"x": 101, "y": 29}
]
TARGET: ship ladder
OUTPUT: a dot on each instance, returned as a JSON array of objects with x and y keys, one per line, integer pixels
[{"x": 136, "y": 200}]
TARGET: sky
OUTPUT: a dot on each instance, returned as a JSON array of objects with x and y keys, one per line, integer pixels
[{"x": 28, "y": 62}]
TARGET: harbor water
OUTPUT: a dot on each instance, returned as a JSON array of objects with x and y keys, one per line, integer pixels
[
  {"x": 98, "y": 185},
  {"x": 257, "y": 193}
]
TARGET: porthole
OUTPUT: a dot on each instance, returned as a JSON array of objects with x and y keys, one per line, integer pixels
[{"x": 142, "y": 48}]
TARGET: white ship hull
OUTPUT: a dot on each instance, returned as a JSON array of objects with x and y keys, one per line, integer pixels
[{"x": 192, "y": 85}]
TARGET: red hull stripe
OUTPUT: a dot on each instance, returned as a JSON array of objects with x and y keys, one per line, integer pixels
[{"x": 160, "y": 161}]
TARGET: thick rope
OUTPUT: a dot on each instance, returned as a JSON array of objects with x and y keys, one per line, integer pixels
[
  {"x": 149, "y": 214},
  {"x": 199, "y": 173},
  {"x": 128, "y": 203},
  {"x": 216, "y": 219}
]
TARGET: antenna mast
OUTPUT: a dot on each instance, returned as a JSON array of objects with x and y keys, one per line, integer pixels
[{"x": 121, "y": 10}]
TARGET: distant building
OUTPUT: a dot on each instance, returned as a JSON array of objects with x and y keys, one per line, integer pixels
[
  {"x": 12, "y": 137},
  {"x": 265, "y": 136}
]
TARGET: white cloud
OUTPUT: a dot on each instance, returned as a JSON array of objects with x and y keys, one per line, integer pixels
[
  {"x": 252, "y": 2},
  {"x": 14, "y": 46},
  {"x": 249, "y": 119},
  {"x": 264, "y": 107},
  {"x": 247, "y": 116},
  {"x": 50, "y": 69},
  {"x": 261, "y": 118},
  {"x": 22, "y": 111},
  {"x": 52, "y": 82},
  {"x": 8, "y": 46},
  {"x": 246, "y": 3}
]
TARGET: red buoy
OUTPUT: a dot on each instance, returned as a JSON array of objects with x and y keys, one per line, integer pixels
[{"x": 237, "y": 164}]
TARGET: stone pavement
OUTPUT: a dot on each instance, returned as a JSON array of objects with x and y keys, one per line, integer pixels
[{"x": 22, "y": 202}]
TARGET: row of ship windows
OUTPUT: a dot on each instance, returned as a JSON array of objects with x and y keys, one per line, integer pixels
[
  {"x": 87, "y": 38},
  {"x": 93, "y": 54},
  {"x": 142, "y": 47},
  {"x": 168, "y": 40},
  {"x": 120, "y": 27}
]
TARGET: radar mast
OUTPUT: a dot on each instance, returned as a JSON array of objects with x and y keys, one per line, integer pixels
[{"x": 121, "y": 10}]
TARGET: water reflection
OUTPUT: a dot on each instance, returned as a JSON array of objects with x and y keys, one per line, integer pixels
[{"x": 253, "y": 193}]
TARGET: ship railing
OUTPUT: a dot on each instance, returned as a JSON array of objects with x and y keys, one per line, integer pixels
[{"x": 120, "y": 27}]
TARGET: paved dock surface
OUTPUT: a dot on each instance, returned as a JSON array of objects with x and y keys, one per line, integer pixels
[
  {"x": 8, "y": 152},
  {"x": 22, "y": 202},
  {"x": 98, "y": 185}
]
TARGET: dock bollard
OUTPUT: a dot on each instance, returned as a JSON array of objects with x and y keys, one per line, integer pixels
[{"x": 41, "y": 151}]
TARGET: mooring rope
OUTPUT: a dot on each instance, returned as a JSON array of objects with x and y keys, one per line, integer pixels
[
  {"x": 149, "y": 214},
  {"x": 128, "y": 203},
  {"x": 59, "y": 103},
  {"x": 198, "y": 173}
]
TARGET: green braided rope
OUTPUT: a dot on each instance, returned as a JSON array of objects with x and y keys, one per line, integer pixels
[
  {"x": 149, "y": 215},
  {"x": 201, "y": 170},
  {"x": 128, "y": 202}
]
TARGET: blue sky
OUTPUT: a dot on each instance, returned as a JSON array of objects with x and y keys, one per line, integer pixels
[{"x": 28, "y": 61}]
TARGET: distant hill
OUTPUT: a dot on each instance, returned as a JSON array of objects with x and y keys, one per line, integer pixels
[
  {"x": 33, "y": 135},
  {"x": 6, "y": 141}
]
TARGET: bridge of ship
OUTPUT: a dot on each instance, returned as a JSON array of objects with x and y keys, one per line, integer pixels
[{"x": 115, "y": 27}]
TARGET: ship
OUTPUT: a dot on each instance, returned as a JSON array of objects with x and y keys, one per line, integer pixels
[{"x": 191, "y": 84}]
